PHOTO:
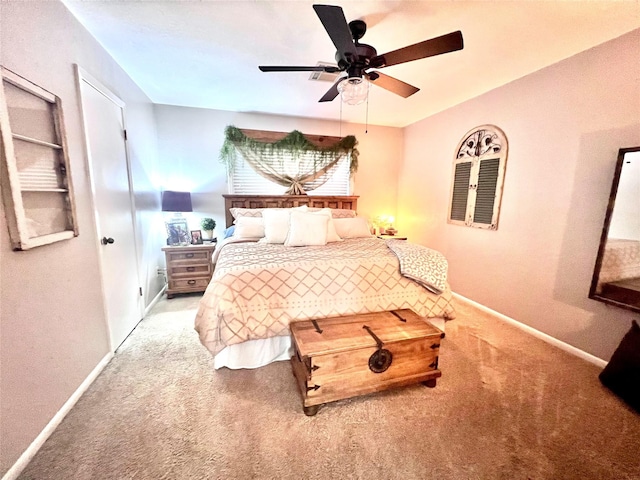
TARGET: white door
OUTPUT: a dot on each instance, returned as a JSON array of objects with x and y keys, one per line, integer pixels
[{"x": 103, "y": 117}]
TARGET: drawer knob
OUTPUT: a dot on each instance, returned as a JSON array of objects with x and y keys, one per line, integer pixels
[
  {"x": 189, "y": 255},
  {"x": 191, "y": 269},
  {"x": 191, "y": 282}
]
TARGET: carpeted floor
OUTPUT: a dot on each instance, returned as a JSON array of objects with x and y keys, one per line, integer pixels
[{"x": 508, "y": 406}]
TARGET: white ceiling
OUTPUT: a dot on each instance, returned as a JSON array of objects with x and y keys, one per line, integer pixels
[{"x": 206, "y": 53}]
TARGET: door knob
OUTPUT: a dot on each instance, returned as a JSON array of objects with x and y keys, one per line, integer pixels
[{"x": 106, "y": 240}]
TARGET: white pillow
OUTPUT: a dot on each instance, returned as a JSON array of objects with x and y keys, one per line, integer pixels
[
  {"x": 249, "y": 228},
  {"x": 352, "y": 227},
  {"x": 307, "y": 229},
  {"x": 332, "y": 235},
  {"x": 276, "y": 224}
]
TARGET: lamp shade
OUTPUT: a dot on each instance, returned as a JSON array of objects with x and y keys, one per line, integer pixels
[
  {"x": 176, "y": 202},
  {"x": 354, "y": 90}
]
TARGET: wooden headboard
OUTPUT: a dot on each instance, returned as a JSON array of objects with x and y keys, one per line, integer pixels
[{"x": 286, "y": 201}]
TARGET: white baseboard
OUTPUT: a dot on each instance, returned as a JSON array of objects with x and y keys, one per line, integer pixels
[
  {"x": 155, "y": 300},
  {"x": 30, "y": 452},
  {"x": 537, "y": 333}
]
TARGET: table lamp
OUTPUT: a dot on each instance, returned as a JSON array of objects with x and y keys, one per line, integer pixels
[{"x": 177, "y": 227}]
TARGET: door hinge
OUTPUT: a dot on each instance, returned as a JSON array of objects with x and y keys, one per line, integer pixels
[
  {"x": 125, "y": 134},
  {"x": 140, "y": 290}
]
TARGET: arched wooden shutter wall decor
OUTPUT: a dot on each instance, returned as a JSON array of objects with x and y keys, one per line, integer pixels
[{"x": 478, "y": 176}]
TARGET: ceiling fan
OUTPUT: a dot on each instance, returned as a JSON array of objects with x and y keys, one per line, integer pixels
[{"x": 357, "y": 59}]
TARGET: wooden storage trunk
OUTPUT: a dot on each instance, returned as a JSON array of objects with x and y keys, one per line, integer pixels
[{"x": 342, "y": 357}]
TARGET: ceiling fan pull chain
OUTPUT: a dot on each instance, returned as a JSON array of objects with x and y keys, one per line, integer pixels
[
  {"x": 366, "y": 124},
  {"x": 340, "y": 134}
]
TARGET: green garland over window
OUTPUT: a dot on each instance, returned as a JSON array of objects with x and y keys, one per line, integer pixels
[{"x": 294, "y": 142}]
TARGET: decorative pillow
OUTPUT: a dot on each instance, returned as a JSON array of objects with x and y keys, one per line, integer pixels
[
  {"x": 357, "y": 227},
  {"x": 622, "y": 373},
  {"x": 307, "y": 229},
  {"x": 337, "y": 212},
  {"x": 332, "y": 235},
  {"x": 228, "y": 232},
  {"x": 246, "y": 212},
  {"x": 276, "y": 224},
  {"x": 249, "y": 228}
]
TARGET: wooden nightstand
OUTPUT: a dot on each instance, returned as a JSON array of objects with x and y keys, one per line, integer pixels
[
  {"x": 189, "y": 268},
  {"x": 392, "y": 237}
]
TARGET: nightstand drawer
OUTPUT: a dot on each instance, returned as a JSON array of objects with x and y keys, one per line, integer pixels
[
  {"x": 190, "y": 271},
  {"x": 189, "y": 283},
  {"x": 188, "y": 257}
]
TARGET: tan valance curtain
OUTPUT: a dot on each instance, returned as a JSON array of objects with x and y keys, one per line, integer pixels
[{"x": 299, "y": 162}]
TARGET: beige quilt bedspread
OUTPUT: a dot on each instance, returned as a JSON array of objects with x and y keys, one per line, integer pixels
[
  {"x": 258, "y": 289},
  {"x": 621, "y": 260}
]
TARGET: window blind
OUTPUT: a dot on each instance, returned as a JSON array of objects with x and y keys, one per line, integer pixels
[{"x": 245, "y": 180}]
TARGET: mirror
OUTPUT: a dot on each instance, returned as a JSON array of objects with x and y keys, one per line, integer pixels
[{"x": 616, "y": 278}]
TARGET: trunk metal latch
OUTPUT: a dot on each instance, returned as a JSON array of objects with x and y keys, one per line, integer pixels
[{"x": 381, "y": 359}]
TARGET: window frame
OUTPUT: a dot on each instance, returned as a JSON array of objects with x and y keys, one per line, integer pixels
[
  {"x": 17, "y": 214},
  {"x": 268, "y": 136},
  {"x": 464, "y": 189},
  {"x": 260, "y": 182}
]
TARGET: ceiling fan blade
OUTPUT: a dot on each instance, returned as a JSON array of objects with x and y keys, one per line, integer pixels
[
  {"x": 316, "y": 68},
  {"x": 332, "y": 92},
  {"x": 334, "y": 22},
  {"x": 392, "y": 84},
  {"x": 429, "y": 48}
]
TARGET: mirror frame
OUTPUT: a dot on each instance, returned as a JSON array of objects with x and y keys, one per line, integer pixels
[{"x": 605, "y": 235}]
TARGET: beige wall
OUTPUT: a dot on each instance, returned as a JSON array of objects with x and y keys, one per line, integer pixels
[
  {"x": 190, "y": 140},
  {"x": 565, "y": 125},
  {"x": 52, "y": 324}
]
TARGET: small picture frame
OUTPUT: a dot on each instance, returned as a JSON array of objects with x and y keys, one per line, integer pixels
[
  {"x": 178, "y": 232},
  {"x": 196, "y": 237}
]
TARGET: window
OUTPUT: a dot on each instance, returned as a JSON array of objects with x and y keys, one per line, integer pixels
[
  {"x": 36, "y": 186},
  {"x": 278, "y": 163},
  {"x": 245, "y": 180},
  {"x": 478, "y": 176}
]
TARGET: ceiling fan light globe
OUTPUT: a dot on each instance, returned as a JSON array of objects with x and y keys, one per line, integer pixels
[{"x": 354, "y": 90}]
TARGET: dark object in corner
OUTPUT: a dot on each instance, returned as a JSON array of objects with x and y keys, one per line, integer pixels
[{"x": 622, "y": 373}]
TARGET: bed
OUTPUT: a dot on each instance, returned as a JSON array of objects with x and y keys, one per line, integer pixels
[
  {"x": 621, "y": 261},
  {"x": 258, "y": 288}
]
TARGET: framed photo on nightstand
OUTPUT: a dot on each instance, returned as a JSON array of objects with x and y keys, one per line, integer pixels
[
  {"x": 196, "y": 237},
  {"x": 178, "y": 232}
]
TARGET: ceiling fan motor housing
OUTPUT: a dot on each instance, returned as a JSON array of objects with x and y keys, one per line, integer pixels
[{"x": 355, "y": 66}]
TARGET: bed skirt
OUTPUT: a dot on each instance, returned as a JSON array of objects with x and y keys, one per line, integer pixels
[
  {"x": 258, "y": 353},
  {"x": 254, "y": 353}
]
